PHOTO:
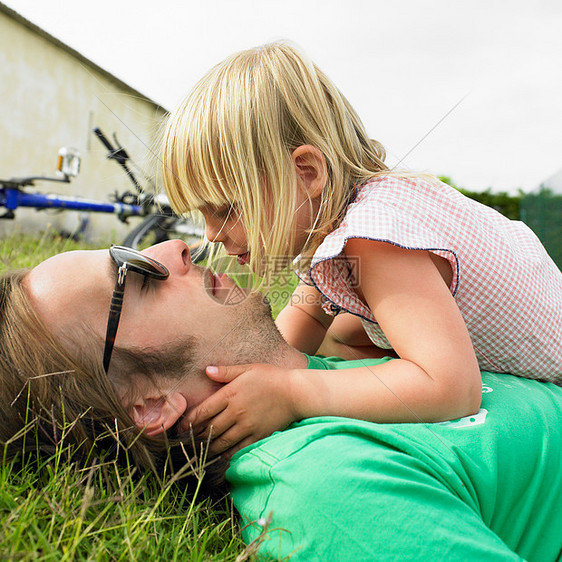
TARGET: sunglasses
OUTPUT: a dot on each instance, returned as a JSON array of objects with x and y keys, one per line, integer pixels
[{"x": 126, "y": 259}]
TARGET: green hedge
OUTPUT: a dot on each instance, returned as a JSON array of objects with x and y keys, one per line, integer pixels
[
  {"x": 508, "y": 205},
  {"x": 542, "y": 211}
]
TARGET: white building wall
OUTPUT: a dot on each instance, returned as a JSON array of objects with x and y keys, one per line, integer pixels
[{"x": 51, "y": 96}]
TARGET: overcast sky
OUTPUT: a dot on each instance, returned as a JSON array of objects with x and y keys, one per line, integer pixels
[{"x": 472, "y": 90}]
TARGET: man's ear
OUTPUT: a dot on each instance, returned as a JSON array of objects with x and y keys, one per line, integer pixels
[
  {"x": 311, "y": 169},
  {"x": 157, "y": 414}
]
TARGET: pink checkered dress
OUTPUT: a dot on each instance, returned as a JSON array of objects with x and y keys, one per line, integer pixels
[{"x": 508, "y": 289}]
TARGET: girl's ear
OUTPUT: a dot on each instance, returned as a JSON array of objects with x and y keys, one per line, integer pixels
[
  {"x": 156, "y": 415},
  {"x": 311, "y": 169}
]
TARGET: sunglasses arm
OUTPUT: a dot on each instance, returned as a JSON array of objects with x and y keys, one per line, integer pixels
[{"x": 114, "y": 315}]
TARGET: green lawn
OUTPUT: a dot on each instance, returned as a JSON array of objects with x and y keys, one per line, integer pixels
[{"x": 53, "y": 510}]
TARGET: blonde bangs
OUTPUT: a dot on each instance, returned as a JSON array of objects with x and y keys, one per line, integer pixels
[
  {"x": 191, "y": 172},
  {"x": 222, "y": 146},
  {"x": 231, "y": 141}
]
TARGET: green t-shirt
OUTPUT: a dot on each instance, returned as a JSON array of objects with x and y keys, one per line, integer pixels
[{"x": 486, "y": 487}]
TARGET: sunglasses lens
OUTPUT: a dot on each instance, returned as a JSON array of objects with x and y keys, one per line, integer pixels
[
  {"x": 145, "y": 265},
  {"x": 138, "y": 262}
]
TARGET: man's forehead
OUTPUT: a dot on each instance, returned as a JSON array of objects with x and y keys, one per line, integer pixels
[
  {"x": 69, "y": 267},
  {"x": 70, "y": 284}
]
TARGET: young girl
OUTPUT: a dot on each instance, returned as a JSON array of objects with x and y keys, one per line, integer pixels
[{"x": 280, "y": 165}]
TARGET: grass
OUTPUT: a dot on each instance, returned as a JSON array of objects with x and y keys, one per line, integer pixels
[
  {"x": 52, "y": 510},
  {"x": 20, "y": 250},
  {"x": 55, "y": 511}
]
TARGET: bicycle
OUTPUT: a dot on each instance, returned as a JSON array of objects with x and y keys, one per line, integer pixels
[{"x": 159, "y": 222}]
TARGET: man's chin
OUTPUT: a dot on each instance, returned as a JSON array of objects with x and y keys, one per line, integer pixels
[
  {"x": 265, "y": 306},
  {"x": 259, "y": 340}
]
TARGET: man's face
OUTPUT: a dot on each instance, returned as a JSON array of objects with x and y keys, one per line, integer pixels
[{"x": 75, "y": 288}]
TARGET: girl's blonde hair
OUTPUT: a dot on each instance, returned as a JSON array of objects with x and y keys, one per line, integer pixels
[{"x": 231, "y": 140}]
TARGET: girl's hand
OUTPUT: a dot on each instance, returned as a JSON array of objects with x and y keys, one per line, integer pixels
[{"x": 255, "y": 403}]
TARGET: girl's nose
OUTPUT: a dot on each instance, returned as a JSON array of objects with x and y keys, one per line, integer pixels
[
  {"x": 174, "y": 254},
  {"x": 214, "y": 230}
]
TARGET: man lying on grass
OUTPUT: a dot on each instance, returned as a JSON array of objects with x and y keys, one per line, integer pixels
[{"x": 485, "y": 487}]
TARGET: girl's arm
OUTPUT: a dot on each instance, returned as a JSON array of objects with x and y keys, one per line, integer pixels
[
  {"x": 435, "y": 378},
  {"x": 302, "y": 322},
  {"x": 437, "y": 375},
  {"x": 346, "y": 338}
]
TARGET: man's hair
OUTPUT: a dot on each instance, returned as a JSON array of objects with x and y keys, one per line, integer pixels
[
  {"x": 231, "y": 140},
  {"x": 48, "y": 391}
]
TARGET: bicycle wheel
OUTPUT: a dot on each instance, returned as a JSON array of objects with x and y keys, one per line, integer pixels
[{"x": 159, "y": 228}]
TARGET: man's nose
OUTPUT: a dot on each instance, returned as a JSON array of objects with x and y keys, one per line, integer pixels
[{"x": 174, "y": 254}]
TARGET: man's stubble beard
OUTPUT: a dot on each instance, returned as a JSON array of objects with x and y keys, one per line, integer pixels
[
  {"x": 253, "y": 336},
  {"x": 250, "y": 336}
]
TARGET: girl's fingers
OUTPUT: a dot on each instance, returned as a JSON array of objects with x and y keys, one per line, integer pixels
[
  {"x": 225, "y": 373},
  {"x": 217, "y": 426},
  {"x": 207, "y": 409},
  {"x": 227, "y": 440}
]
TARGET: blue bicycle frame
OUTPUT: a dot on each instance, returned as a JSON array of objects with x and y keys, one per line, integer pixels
[
  {"x": 158, "y": 222},
  {"x": 12, "y": 197}
]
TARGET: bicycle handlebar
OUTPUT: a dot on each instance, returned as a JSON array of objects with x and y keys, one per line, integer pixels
[
  {"x": 124, "y": 205},
  {"x": 103, "y": 139},
  {"x": 120, "y": 155}
]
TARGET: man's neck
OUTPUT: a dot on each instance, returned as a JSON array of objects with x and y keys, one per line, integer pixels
[{"x": 288, "y": 357}]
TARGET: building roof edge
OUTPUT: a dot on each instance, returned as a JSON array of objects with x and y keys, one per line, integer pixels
[{"x": 83, "y": 59}]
